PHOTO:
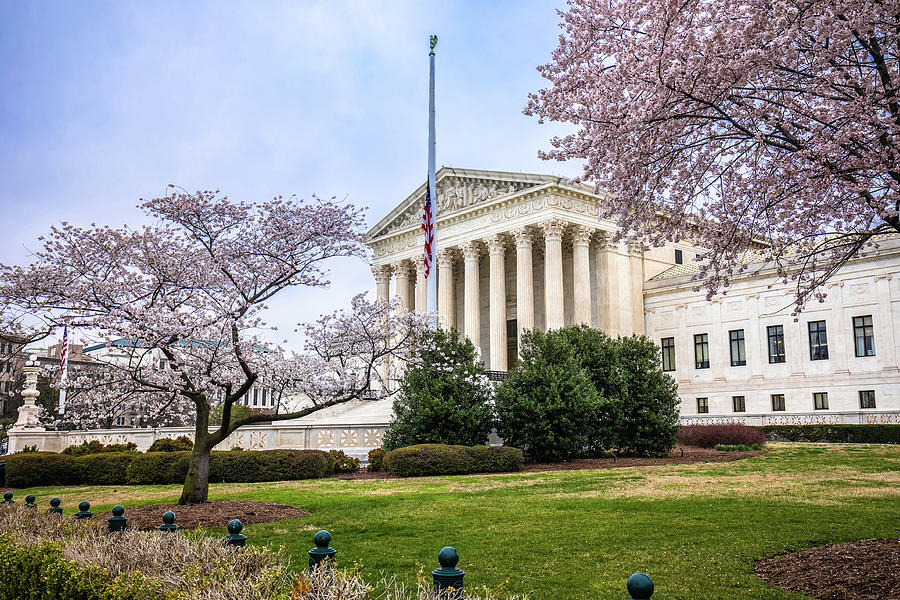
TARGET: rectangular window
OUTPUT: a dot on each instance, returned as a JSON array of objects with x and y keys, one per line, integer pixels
[
  {"x": 820, "y": 400},
  {"x": 818, "y": 340},
  {"x": 777, "y": 402},
  {"x": 776, "y": 343},
  {"x": 264, "y": 396},
  {"x": 737, "y": 402},
  {"x": 255, "y": 396},
  {"x": 668, "y": 353},
  {"x": 120, "y": 421},
  {"x": 867, "y": 399},
  {"x": 679, "y": 257},
  {"x": 702, "y": 405},
  {"x": 864, "y": 336},
  {"x": 738, "y": 352},
  {"x": 701, "y": 350}
]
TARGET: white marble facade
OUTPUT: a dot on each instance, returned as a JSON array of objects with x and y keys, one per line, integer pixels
[{"x": 518, "y": 251}]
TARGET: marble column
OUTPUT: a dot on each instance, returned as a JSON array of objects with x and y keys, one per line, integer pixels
[
  {"x": 609, "y": 287},
  {"x": 884, "y": 326},
  {"x": 401, "y": 284},
  {"x": 636, "y": 268},
  {"x": 581, "y": 260},
  {"x": 382, "y": 285},
  {"x": 472, "y": 312},
  {"x": 422, "y": 286},
  {"x": 497, "y": 252},
  {"x": 524, "y": 281},
  {"x": 446, "y": 289},
  {"x": 553, "y": 273}
]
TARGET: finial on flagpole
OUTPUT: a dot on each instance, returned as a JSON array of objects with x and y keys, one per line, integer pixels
[{"x": 433, "y": 40}]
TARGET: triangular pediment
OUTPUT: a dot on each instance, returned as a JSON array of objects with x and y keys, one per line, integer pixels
[{"x": 457, "y": 190}]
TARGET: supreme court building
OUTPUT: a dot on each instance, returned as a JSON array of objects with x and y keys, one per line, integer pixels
[{"x": 520, "y": 251}]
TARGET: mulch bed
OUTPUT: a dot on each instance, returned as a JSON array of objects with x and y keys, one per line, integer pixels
[
  {"x": 191, "y": 516},
  {"x": 862, "y": 570},
  {"x": 691, "y": 455}
]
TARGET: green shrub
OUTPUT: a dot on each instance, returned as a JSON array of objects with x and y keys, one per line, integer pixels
[
  {"x": 444, "y": 397},
  {"x": 376, "y": 460},
  {"x": 737, "y": 447},
  {"x": 548, "y": 406},
  {"x": 640, "y": 415},
  {"x": 158, "y": 468},
  {"x": 108, "y": 468},
  {"x": 344, "y": 463},
  {"x": 707, "y": 436},
  {"x": 95, "y": 447},
  {"x": 32, "y": 469},
  {"x": 179, "y": 444},
  {"x": 860, "y": 434},
  {"x": 441, "y": 459},
  {"x": 42, "y": 572}
]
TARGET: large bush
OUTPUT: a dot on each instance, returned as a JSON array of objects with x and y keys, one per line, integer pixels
[
  {"x": 860, "y": 434},
  {"x": 31, "y": 469},
  {"x": 95, "y": 447},
  {"x": 158, "y": 468},
  {"x": 442, "y": 459},
  {"x": 232, "y": 466},
  {"x": 444, "y": 396},
  {"x": 708, "y": 436},
  {"x": 179, "y": 444},
  {"x": 548, "y": 405}
]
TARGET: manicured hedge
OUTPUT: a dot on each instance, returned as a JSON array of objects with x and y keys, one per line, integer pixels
[
  {"x": 442, "y": 459},
  {"x": 708, "y": 436},
  {"x": 860, "y": 434},
  {"x": 158, "y": 468},
  {"x": 103, "y": 469},
  {"x": 42, "y": 572},
  {"x": 30, "y": 469},
  {"x": 268, "y": 465}
]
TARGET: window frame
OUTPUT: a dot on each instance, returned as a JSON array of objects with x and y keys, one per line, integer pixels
[
  {"x": 667, "y": 351},
  {"x": 679, "y": 257},
  {"x": 775, "y": 335},
  {"x": 740, "y": 341},
  {"x": 779, "y": 398},
  {"x": 701, "y": 345},
  {"x": 738, "y": 404},
  {"x": 860, "y": 331},
  {"x": 870, "y": 395},
  {"x": 702, "y": 408},
  {"x": 818, "y": 339},
  {"x": 820, "y": 400}
]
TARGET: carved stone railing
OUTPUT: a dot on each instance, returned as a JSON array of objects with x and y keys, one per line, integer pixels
[
  {"x": 354, "y": 439},
  {"x": 879, "y": 417}
]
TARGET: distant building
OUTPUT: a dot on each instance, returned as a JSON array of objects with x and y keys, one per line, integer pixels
[{"x": 12, "y": 361}]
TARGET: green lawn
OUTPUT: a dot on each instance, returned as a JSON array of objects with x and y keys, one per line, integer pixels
[{"x": 696, "y": 529}]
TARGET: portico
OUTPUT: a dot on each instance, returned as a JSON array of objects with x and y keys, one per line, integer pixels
[{"x": 515, "y": 251}]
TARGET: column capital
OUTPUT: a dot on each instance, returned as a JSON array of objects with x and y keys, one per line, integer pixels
[
  {"x": 553, "y": 229},
  {"x": 604, "y": 239},
  {"x": 420, "y": 266},
  {"x": 496, "y": 244},
  {"x": 635, "y": 248},
  {"x": 401, "y": 269},
  {"x": 581, "y": 236},
  {"x": 382, "y": 273},
  {"x": 471, "y": 250},
  {"x": 523, "y": 237},
  {"x": 445, "y": 258}
]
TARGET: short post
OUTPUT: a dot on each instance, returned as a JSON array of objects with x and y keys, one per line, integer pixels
[
  {"x": 235, "y": 537},
  {"x": 448, "y": 577},
  {"x": 29, "y": 501},
  {"x": 640, "y": 586},
  {"x": 7, "y": 498},
  {"x": 323, "y": 550},
  {"x": 84, "y": 510},
  {"x": 117, "y": 522},
  {"x": 168, "y": 523},
  {"x": 55, "y": 508}
]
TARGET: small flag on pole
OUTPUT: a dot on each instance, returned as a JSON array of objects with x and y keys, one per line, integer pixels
[
  {"x": 63, "y": 368},
  {"x": 428, "y": 227}
]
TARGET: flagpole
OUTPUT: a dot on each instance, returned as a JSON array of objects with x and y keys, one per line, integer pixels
[
  {"x": 63, "y": 369},
  {"x": 432, "y": 279}
]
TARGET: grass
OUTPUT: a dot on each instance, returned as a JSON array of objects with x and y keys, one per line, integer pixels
[{"x": 696, "y": 529}]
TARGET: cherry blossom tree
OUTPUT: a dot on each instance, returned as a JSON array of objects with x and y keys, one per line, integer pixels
[
  {"x": 764, "y": 126},
  {"x": 181, "y": 305}
]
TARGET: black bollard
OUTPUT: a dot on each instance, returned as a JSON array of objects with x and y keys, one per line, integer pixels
[
  {"x": 84, "y": 510},
  {"x": 55, "y": 508},
  {"x": 323, "y": 550},
  {"x": 235, "y": 537},
  {"x": 117, "y": 522},
  {"x": 168, "y": 524},
  {"x": 448, "y": 577},
  {"x": 640, "y": 586}
]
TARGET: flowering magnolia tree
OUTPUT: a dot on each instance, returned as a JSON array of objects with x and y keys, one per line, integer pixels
[
  {"x": 181, "y": 306},
  {"x": 744, "y": 125}
]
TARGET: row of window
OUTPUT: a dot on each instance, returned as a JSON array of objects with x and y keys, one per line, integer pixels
[
  {"x": 6, "y": 348},
  {"x": 863, "y": 336},
  {"x": 5, "y": 366},
  {"x": 820, "y": 402}
]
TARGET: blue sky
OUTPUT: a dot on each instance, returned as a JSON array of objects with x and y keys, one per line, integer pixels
[{"x": 103, "y": 103}]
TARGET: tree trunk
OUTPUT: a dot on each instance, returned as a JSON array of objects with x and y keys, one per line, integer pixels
[{"x": 196, "y": 484}]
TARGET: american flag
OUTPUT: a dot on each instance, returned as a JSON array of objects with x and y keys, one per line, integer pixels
[
  {"x": 64, "y": 354},
  {"x": 428, "y": 227}
]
